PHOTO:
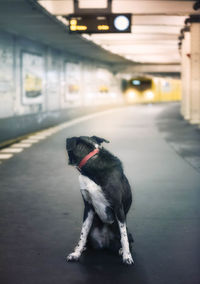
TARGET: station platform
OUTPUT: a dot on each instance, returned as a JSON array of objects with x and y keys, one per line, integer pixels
[{"x": 41, "y": 206}]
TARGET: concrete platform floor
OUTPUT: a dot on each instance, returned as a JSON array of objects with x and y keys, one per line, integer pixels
[{"x": 41, "y": 207}]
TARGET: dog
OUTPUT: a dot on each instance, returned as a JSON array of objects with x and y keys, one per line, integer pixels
[{"x": 107, "y": 197}]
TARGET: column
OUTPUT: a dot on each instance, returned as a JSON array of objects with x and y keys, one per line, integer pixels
[
  {"x": 195, "y": 70},
  {"x": 183, "y": 80},
  {"x": 187, "y": 74}
]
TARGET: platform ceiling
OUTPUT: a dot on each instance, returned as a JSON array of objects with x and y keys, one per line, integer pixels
[
  {"x": 29, "y": 19},
  {"x": 152, "y": 45},
  {"x": 155, "y": 27}
]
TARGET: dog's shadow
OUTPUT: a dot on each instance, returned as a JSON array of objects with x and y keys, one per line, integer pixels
[
  {"x": 104, "y": 266},
  {"x": 100, "y": 258}
]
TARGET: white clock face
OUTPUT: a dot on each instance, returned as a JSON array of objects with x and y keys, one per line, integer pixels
[{"x": 121, "y": 23}]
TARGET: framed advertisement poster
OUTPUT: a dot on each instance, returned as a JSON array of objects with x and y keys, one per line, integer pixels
[
  {"x": 6, "y": 68},
  {"x": 32, "y": 78},
  {"x": 72, "y": 83}
]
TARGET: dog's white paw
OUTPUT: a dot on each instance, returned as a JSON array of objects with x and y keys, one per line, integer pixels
[
  {"x": 74, "y": 256},
  {"x": 120, "y": 251},
  {"x": 127, "y": 259}
]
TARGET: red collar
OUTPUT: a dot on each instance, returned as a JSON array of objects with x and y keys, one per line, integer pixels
[{"x": 87, "y": 157}]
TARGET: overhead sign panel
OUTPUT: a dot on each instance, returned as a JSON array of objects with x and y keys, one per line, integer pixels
[{"x": 109, "y": 23}]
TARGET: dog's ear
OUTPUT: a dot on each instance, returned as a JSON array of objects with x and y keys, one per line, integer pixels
[
  {"x": 71, "y": 143},
  {"x": 87, "y": 140},
  {"x": 99, "y": 140}
]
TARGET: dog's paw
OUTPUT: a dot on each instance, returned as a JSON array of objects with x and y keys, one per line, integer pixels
[
  {"x": 120, "y": 251},
  {"x": 74, "y": 256},
  {"x": 127, "y": 259}
]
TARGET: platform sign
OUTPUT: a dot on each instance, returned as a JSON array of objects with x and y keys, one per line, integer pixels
[{"x": 109, "y": 23}]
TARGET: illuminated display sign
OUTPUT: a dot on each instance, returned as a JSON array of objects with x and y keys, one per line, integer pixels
[
  {"x": 136, "y": 82},
  {"x": 109, "y": 23}
]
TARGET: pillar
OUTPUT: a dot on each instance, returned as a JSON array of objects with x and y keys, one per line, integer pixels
[
  {"x": 185, "y": 73},
  {"x": 187, "y": 66},
  {"x": 195, "y": 70},
  {"x": 183, "y": 80}
]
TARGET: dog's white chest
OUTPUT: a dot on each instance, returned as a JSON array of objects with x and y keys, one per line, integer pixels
[{"x": 93, "y": 194}]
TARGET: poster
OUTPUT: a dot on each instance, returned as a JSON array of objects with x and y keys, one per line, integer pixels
[
  {"x": 6, "y": 68},
  {"x": 72, "y": 83},
  {"x": 32, "y": 78}
]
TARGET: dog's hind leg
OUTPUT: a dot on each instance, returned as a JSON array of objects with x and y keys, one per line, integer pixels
[
  {"x": 87, "y": 223},
  {"x": 126, "y": 254}
]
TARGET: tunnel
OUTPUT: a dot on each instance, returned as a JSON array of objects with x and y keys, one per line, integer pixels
[{"x": 99, "y": 141}]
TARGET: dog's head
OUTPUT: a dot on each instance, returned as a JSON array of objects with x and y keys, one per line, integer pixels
[{"x": 78, "y": 147}]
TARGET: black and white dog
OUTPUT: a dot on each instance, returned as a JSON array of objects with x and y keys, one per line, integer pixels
[{"x": 107, "y": 197}]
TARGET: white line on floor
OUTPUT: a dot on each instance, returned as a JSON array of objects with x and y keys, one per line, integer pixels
[
  {"x": 5, "y": 156},
  {"x": 47, "y": 133},
  {"x": 33, "y": 138},
  {"x": 21, "y": 145},
  {"x": 11, "y": 150},
  {"x": 30, "y": 141},
  {"x": 37, "y": 137}
]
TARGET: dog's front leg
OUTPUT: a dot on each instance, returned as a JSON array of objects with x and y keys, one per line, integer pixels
[
  {"x": 126, "y": 254},
  {"x": 87, "y": 223}
]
